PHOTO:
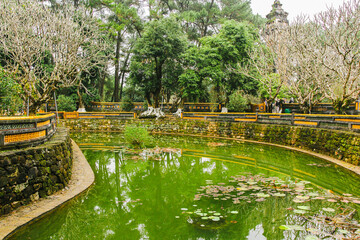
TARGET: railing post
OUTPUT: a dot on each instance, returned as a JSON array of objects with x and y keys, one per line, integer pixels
[
  {"x": 292, "y": 118},
  {"x": 2, "y": 139}
]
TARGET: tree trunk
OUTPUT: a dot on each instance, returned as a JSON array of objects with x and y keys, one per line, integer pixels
[
  {"x": 101, "y": 85},
  {"x": 123, "y": 72},
  {"x": 81, "y": 103},
  {"x": 117, "y": 68}
]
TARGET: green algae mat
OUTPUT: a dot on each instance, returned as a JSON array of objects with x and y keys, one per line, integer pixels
[{"x": 201, "y": 188}]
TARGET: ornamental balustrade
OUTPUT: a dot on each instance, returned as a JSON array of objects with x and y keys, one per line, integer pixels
[
  {"x": 339, "y": 122},
  {"x": 19, "y": 132}
]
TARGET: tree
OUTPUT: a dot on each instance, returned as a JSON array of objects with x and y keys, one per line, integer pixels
[
  {"x": 47, "y": 50},
  {"x": 220, "y": 55},
  {"x": 267, "y": 62},
  {"x": 304, "y": 70},
  {"x": 122, "y": 21},
  {"x": 160, "y": 47},
  {"x": 338, "y": 35}
]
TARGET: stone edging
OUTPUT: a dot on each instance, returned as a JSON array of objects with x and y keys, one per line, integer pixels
[{"x": 82, "y": 178}]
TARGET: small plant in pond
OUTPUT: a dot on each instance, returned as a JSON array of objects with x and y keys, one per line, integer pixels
[{"x": 137, "y": 137}]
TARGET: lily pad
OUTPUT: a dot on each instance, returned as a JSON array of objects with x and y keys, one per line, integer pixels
[
  {"x": 216, "y": 219},
  {"x": 234, "y": 212},
  {"x": 328, "y": 209},
  {"x": 304, "y": 207},
  {"x": 313, "y": 194},
  {"x": 292, "y": 227},
  {"x": 343, "y": 231},
  {"x": 262, "y": 195},
  {"x": 299, "y": 211},
  {"x": 279, "y": 194},
  {"x": 311, "y": 237}
]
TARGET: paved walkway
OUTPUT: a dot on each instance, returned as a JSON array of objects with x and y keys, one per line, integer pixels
[{"x": 82, "y": 178}]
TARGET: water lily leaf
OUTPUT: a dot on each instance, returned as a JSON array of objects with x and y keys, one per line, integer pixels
[
  {"x": 262, "y": 195},
  {"x": 328, "y": 209},
  {"x": 313, "y": 194},
  {"x": 251, "y": 183},
  {"x": 311, "y": 237},
  {"x": 234, "y": 212},
  {"x": 303, "y": 197},
  {"x": 217, "y": 214},
  {"x": 184, "y": 209},
  {"x": 204, "y": 218},
  {"x": 343, "y": 231},
  {"x": 299, "y": 211},
  {"x": 292, "y": 227},
  {"x": 356, "y": 201},
  {"x": 304, "y": 207},
  {"x": 332, "y": 200},
  {"x": 279, "y": 194},
  {"x": 215, "y": 219}
]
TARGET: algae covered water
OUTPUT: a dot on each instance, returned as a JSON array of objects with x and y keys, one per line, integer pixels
[{"x": 201, "y": 188}]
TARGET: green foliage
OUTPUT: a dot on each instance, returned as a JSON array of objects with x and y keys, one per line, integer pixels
[
  {"x": 340, "y": 105},
  {"x": 155, "y": 63},
  {"x": 216, "y": 60},
  {"x": 66, "y": 103},
  {"x": 91, "y": 96},
  {"x": 274, "y": 81},
  {"x": 238, "y": 102},
  {"x": 126, "y": 104},
  {"x": 137, "y": 137},
  {"x": 10, "y": 91}
]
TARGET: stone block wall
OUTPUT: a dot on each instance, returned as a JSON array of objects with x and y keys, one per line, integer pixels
[
  {"x": 342, "y": 145},
  {"x": 36, "y": 172}
]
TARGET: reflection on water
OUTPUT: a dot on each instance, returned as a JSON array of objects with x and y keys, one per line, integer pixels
[{"x": 137, "y": 198}]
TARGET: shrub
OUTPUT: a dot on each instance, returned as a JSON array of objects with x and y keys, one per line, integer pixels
[
  {"x": 137, "y": 137},
  {"x": 66, "y": 103},
  {"x": 126, "y": 104},
  {"x": 237, "y": 102}
]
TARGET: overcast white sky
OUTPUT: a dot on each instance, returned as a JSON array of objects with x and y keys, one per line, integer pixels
[{"x": 294, "y": 7}]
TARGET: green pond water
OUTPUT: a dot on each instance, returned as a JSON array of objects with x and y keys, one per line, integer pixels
[{"x": 202, "y": 188}]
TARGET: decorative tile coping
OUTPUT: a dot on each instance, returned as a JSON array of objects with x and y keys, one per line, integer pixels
[{"x": 19, "y": 132}]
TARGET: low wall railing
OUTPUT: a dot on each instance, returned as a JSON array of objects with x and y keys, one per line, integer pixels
[
  {"x": 84, "y": 115},
  {"x": 17, "y": 132},
  {"x": 140, "y": 106},
  {"x": 340, "y": 122}
]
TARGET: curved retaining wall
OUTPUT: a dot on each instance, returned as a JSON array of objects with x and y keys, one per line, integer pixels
[
  {"x": 341, "y": 145},
  {"x": 35, "y": 172}
]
